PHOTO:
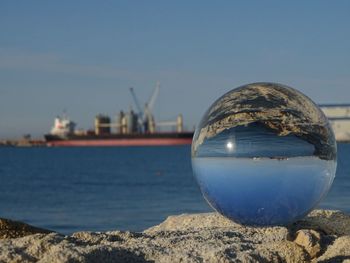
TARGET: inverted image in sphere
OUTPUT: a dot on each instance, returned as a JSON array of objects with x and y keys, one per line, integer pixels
[{"x": 264, "y": 154}]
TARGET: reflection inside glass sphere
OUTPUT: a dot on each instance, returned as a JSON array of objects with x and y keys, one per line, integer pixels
[
  {"x": 230, "y": 146},
  {"x": 264, "y": 154}
]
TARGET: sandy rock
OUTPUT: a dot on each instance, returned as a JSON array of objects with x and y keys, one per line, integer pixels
[
  {"x": 193, "y": 238},
  {"x": 193, "y": 222},
  {"x": 329, "y": 221},
  {"x": 14, "y": 229},
  {"x": 339, "y": 251},
  {"x": 282, "y": 251},
  {"x": 310, "y": 240}
]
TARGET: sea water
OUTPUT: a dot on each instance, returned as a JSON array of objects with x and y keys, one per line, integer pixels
[
  {"x": 100, "y": 189},
  {"x": 263, "y": 191}
]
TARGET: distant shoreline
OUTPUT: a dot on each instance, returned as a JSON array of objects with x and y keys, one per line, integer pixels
[
  {"x": 23, "y": 143},
  {"x": 42, "y": 143}
]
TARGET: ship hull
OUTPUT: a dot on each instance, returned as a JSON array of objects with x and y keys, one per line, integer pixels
[{"x": 121, "y": 140}]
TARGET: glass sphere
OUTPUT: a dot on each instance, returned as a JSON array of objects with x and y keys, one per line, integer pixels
[{"x": 264, "y": 154}]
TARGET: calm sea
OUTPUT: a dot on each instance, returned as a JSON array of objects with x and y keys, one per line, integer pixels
[{"x": 99, "y": 189}]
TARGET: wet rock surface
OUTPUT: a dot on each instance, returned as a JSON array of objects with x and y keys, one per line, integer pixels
[
  {"x": 323, "y": 236},
  {"x": 278, "y": 108}
]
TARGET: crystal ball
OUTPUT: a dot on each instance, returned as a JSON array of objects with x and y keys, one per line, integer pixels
[{"x": 264, "y": 154}]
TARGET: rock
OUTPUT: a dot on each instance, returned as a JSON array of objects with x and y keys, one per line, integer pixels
[
  {"x": 332, "y": 223},
  {"x": 283, "y": 251},
  {"x": 339, "y": 251},
  {"x": 186, "y": 222},
  {"x": 310, "y": 240},
  {"x": 14, "y": 229},
  {"x": 323, "y": 236}
]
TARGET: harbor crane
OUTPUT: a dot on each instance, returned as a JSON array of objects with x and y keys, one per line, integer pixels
[
  {"x": 145, "y": 117},
  {"x": 140, "y": 122}
]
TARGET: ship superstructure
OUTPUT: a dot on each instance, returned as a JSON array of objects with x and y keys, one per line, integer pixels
[{"x": 63, "y": 127}]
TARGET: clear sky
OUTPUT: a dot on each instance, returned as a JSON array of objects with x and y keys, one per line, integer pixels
[{"x": 82, "y": 56}]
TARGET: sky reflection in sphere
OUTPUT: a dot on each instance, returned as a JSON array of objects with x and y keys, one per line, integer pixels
[{"x": 264, "y": 154}]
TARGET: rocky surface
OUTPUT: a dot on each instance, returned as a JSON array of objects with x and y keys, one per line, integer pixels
[
  {"x": 279, "y": 108},
  {"x": 14, "y": 229},
  {"x": 324, "y": 236}
]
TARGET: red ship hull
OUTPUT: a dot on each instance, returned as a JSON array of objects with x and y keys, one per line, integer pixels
[
  {"x": 123, "y": 142},
  {"x": 155, "y": 139}
]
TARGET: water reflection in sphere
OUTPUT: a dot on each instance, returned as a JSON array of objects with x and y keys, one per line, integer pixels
[{"x": 264, "y": 154}]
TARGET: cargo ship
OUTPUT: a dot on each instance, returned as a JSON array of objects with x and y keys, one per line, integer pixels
[
  {"x": 64, "y": 134},
  {"x": 130, "y": 129}
]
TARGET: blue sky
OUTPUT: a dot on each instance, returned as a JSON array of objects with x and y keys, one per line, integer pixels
[{"x": 83, "y": 55}]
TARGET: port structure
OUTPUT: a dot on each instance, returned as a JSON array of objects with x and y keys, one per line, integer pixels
[
  {"x": 145, "y": 117},
  {"x": 141, "y": 121},
  {"x": 339, "y": 118}
]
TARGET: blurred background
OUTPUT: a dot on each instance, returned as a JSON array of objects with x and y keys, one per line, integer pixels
[{"x": 81, "y": 57}]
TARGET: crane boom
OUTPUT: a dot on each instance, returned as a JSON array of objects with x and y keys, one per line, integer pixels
[
  {"x": 136, "y": 101},
  {"x": 154, "y": 96},
  {"x": 145, "y": 117}
]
